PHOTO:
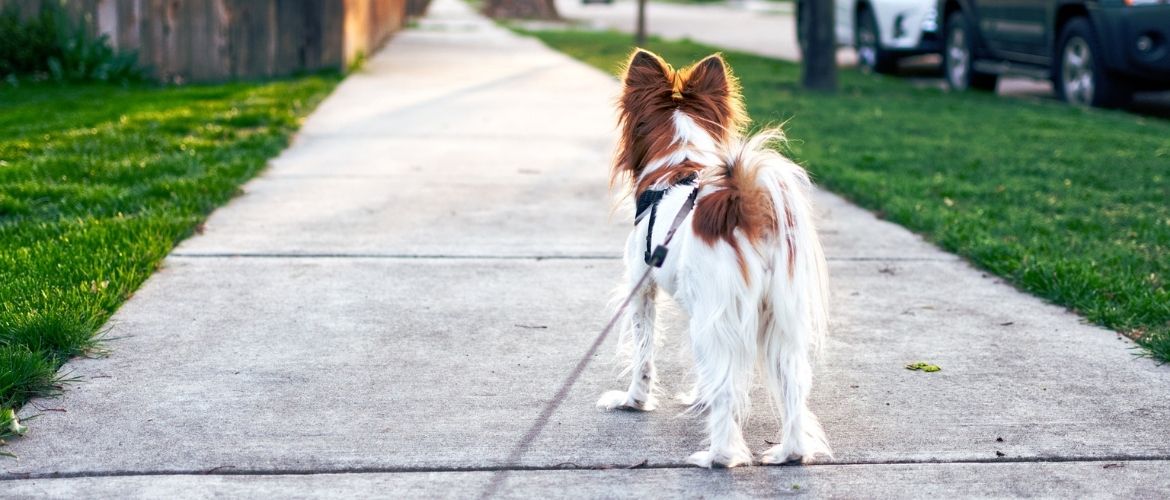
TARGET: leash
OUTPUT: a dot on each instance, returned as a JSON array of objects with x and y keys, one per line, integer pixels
[{"x": 655, "y": 260}]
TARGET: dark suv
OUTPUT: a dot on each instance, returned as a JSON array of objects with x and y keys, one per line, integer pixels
[{"x": 1096, "y": 52}]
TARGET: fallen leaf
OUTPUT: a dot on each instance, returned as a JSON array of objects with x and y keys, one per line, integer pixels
[{"x": 924, "y": 366}]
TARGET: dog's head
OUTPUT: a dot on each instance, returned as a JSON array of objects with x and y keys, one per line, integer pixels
[{"x": 652, "y": 95}]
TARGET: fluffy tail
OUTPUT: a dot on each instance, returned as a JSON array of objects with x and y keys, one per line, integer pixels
[{"x": 794, "y": 310}]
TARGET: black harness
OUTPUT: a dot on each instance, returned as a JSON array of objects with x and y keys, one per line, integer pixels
[{"x": 648, "y": 200}]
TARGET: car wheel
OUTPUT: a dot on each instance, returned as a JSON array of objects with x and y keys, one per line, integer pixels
[
  {"x": 1079, "y": 75},
  {"x": 959, "y": 57},
  {"x": 868, "y": 40}
]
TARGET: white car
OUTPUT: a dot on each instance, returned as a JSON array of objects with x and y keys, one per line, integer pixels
[{"x": 882, "y": 31}]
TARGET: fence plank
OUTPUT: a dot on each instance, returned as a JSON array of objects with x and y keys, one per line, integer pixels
[{"x": 213, "y": 40}]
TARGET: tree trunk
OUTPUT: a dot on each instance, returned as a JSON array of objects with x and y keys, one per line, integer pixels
[
  {"x": 820, "y": 48},
  {"x": 521, "y": 9},
  {"x": 640, "y": 33}
]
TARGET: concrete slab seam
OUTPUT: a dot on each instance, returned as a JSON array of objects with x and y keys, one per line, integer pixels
[{"x": 231, "y": 471}]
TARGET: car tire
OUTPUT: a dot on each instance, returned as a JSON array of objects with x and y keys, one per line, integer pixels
[
  {"x": 867, "y": 40},
  {"x": 959, "y": 57},
  {"x": 1079, "y": 75}
]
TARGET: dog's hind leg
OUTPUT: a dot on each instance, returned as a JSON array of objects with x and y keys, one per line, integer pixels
[
  {"x": 789, "y": 373},
  {"x": 640, "y": 395},
  {"x": 724, "y": 360},
  {"x": 787, "y": 337}
]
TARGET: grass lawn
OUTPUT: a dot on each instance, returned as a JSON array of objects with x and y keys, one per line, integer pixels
[
  {"x": 1070, "y": 204},
  {"x": 97, "y": 183}
]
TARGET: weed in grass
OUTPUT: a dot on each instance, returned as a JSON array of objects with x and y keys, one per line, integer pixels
[
  {"x": 357, "y": 63},
  {"x": 1067, "y": 203}
]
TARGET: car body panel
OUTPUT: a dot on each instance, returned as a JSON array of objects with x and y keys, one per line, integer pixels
[
  {"x": 1026, "y": 32},
  {"x": 1125, "y": 25},
  {"x": 904, "y": 25}
]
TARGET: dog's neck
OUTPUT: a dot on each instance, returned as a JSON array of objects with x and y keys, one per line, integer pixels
[{"x": 691, "y": 149}]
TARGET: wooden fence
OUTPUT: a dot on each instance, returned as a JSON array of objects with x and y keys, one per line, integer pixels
[{"x": 214, "y": 40}]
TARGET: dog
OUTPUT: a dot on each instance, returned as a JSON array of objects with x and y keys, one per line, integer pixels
[{"x": 745, "y": 265}]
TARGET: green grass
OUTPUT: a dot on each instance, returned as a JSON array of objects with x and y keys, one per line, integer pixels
[
  {"x": 98, "y": 182},
  {"x": 1070, "y": 204}
]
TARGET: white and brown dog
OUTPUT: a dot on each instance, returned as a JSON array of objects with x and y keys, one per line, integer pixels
[{"x": 746, "y": 264}]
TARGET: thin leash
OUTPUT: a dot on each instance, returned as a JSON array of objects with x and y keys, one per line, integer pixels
[{"x": 656, "y": 259}]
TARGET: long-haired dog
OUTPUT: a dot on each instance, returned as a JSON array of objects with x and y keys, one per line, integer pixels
[{"x": 746, "y": 264}]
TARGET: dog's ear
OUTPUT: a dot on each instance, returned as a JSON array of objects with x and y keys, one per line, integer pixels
[
  {"x": 646, "y": 69},
  {"x": 709, "y": 77}
]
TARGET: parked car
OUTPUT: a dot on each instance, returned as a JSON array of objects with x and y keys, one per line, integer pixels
[
  {"x": 882, "y": 31},
  {"x": 1096, "y": 52}
]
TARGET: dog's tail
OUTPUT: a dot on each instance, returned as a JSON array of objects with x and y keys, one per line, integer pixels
[{"x": 794, "y": 310}]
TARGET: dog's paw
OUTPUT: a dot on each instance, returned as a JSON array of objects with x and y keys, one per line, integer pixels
[
  {"x": 778, "y": 455},
  {"x": 621, "y": 400},
  {"x": 785, "y": 455},
  {"x": 719, "y": 459}
]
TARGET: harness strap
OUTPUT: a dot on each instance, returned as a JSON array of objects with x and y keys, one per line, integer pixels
[
  {"x": 658, "y": 256},
  {"x": 649, "y": 198}
]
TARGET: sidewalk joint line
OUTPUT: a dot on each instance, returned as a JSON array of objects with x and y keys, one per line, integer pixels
[
  {"x": 404, "y": 256},
  {"x": 230, "y": 471},
  {"x": 408, "y": 256}
]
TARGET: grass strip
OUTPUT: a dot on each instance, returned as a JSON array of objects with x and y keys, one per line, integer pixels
[{"x": 98, "y": 183}]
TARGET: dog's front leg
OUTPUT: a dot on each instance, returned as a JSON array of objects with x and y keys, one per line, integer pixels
[{"x": 640, "y": 395}]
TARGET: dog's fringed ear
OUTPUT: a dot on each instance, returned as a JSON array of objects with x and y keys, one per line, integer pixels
[
  {"x": 646, "y": 69},
  {"x": 709, "y": 77}
]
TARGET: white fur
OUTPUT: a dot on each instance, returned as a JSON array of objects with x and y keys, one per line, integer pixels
[
  {"x": 691, "y": 143},
  {"x": 769, "y": 324}
]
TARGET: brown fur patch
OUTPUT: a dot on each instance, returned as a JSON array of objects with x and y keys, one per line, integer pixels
[
  {"x": 653, "y": 91},
  {"x": 645, "y": 110},
  {"x": 789, "y": 233},
  {"x": 737, "y": 204},
  {"x": 668, "y": 176},
  {"x": 710, "y": 94}
]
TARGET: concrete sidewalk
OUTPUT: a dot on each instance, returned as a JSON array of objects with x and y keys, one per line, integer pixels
[{"x": 391, "y": 306}]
